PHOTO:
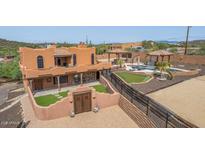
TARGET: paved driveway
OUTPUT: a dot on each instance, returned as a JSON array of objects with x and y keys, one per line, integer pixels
[
  {"x": 187, "y": 99},
  {"x": 111, "y": 117},
  {"x": 4, "y": 89}
]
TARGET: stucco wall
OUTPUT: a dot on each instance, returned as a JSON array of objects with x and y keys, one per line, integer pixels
[
  {"x": 28, "y": 56},
  {"x": 60, "y": 109},
  {"x": 190, "y": 59},
  {"x": 64, "y": 107},
  {"x": 106, "y": 100},
  {"x": 83, "y": 55}
]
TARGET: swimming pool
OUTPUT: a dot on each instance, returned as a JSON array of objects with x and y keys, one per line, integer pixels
[{"x": 150, "y": 69}]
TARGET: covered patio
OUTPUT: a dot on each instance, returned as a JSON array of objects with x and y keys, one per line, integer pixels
[{"x": 123, "y": 54}]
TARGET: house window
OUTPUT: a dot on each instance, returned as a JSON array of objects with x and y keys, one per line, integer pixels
[
  {"x": 92, "y": 59},
  {"x": 64, "y": 79},
  {"x": 40, "y": 62},
  {"x": 74, "y": 59}
]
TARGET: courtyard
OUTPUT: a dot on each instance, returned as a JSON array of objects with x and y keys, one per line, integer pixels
[{"x": 110, "y": 117}]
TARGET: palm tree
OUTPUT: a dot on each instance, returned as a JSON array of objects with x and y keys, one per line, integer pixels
[
  {"x": 163, "y": 67},
  {"x": 120, "y": 62}
]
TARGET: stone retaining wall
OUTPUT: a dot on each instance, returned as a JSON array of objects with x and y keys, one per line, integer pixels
[{"x": 136, "y": 114}]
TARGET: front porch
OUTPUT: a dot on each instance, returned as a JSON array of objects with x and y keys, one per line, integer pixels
[
  {"x": 70, "y": 88},
  {"x": 63, "y": 81}
]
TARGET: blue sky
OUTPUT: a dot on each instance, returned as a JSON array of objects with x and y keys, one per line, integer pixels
[{"x": 97, "y": 34}]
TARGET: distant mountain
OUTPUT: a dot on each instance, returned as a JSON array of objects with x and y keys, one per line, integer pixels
[
  {"x": 197, "y": 43},
  {"x": 169, "y": 42}
]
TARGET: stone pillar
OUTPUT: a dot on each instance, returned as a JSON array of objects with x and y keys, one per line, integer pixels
[
  {"x": 58, "y": 80},
  {"x": 108, "y": 57}
]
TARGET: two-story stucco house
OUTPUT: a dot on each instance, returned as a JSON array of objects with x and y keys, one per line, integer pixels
[{"x": 51, "y": 67}]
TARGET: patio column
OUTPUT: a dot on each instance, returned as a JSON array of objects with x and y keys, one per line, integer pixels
[
  {"x": 31, "y": 84},
  {"x": 108, "y": 57},
  {"x": 138, "y": 60},
  {"x": 58, "y": 80},
  {"x": 127, "y": 57},
  {"x": 162, "y": 58},
  {"x": 81, "y": 78}
]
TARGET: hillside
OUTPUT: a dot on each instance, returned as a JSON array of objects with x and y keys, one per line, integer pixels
[{"x": 11, "y": 47}]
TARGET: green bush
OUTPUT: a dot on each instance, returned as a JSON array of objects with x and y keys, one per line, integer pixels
[{"x": 10, "y": 69}]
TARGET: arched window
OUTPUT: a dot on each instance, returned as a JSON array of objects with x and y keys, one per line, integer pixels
[
  {"x": 92, "y": 59},
  {"x": 74, "y": 59},
  {"x": 40, "y": 62}
]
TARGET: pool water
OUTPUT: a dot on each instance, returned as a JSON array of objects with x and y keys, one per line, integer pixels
[{"x": 150, "y": 68}]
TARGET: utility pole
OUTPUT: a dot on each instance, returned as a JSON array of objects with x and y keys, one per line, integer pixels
[{"x": 187, "y": 37}]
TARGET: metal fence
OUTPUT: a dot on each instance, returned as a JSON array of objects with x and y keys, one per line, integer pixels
[{"x": 161, "y": 116}]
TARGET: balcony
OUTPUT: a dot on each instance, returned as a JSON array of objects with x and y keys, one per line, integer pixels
[
  {"x": 63, "y": 58},
  {"x": 63, "y": 62}
]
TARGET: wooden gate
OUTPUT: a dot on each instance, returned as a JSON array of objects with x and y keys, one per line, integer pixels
[{"x": 82, "y": 102}]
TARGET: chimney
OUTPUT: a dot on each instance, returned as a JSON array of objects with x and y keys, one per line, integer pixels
[{"x": 82, "y": 45}]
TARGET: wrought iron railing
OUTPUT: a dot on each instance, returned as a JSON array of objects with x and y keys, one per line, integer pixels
[{"x": 160, "y": 115}]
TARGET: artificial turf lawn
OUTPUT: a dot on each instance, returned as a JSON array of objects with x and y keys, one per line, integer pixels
[
  {"x": 47, "y": 100},
  {"x": 63, "y": 93},
  {"x": 100, "y": 88},
  {"x": 133, "y": 78}
]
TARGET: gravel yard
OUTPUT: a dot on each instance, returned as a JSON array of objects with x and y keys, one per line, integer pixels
[{"x": 155, "y": 84}]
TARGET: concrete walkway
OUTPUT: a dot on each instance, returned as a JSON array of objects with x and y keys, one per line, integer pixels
[
  {"x": 70, "y": 88},
  {"x": 111, "y": 117},
  {"x": 187, "y": 99}
]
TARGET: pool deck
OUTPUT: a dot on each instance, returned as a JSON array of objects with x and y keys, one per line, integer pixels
[{"x": 186, "y": 99}]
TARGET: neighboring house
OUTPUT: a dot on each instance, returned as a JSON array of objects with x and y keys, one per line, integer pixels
[
  {"x": 6, "y": 59},
  {"x": 52, "y": 67},
  {"x": 124, "y": 46}
]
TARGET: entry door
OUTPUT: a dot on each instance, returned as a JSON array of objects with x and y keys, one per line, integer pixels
[
  {"x": 38, "y": 84},
  {"x": 86, "y": 102},
  {"x": 82, "y": 102}
]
